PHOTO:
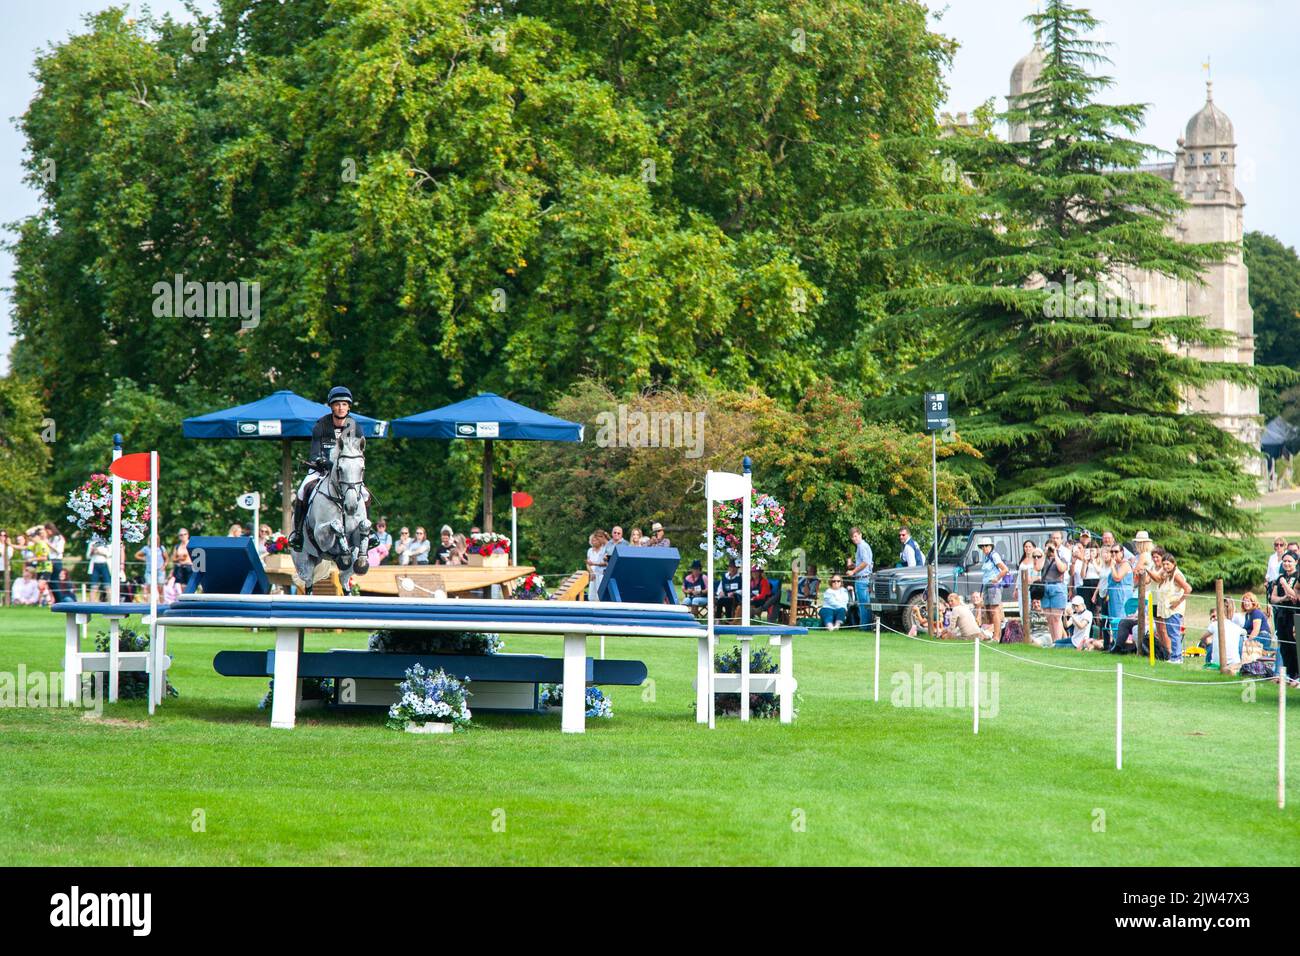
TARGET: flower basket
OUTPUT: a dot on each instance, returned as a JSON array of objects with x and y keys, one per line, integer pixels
[
  {"x": 487, "y": 549},
  {"x": 766, "y": 526},
  {"x": 430, "y": 697},
  {"x": 530, "y": 588},
  {"x": 278, "y": 563},
  {"x": 91, "y": 505}
]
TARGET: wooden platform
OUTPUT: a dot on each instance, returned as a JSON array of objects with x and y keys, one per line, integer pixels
[{"x": 382, "y": 581}]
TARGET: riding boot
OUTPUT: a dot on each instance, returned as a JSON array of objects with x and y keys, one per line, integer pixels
[{"x": 295, "y": 539}]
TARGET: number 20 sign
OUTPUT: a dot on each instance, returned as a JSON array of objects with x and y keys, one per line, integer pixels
[{"x": 936, "y": 411}]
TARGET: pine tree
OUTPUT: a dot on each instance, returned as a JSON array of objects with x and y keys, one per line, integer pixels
[{"x": 1075, "y": 394}]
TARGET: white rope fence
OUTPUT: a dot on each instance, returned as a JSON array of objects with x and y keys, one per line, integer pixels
[{"x": 1280, "y": 679}]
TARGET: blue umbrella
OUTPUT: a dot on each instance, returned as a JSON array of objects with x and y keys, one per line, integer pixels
[
  {"x": 486, "y": 417},
  {"x": 280, "y": 416}
]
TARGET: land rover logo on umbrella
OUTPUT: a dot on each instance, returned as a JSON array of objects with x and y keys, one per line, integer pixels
[
  {"x": 258, "y": 429},
  {"x": 478, "y": 429}
]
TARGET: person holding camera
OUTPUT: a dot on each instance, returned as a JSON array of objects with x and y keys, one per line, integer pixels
[{"x": 1055, "y": 567}]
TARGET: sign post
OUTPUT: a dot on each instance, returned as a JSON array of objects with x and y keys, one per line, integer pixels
[
  {"x": 936, "y": 420},
  {"x": 253, "y": 500}
]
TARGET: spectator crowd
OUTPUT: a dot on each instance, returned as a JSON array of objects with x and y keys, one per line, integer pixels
[{"x": 1084, "y": 589}]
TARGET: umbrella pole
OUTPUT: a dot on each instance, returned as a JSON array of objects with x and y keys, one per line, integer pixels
[
  {"x": 487, "y": 484},
  {"x": 286, "y": 495}
]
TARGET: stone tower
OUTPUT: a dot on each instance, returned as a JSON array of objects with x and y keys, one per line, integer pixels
[
  {"x": 1204, "y": 172},
  {"x": 1024, "y": 77}
]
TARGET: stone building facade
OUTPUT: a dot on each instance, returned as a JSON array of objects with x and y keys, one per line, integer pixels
[{"x": 1204, "y": 171}]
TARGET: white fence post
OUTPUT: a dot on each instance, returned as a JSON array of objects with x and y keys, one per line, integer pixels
[
  {"x": 875, "y": 693},
  {"x": 1281, "y": 738},
  {"x": 1119, "y": 716}
]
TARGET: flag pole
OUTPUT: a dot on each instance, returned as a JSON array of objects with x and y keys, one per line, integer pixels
[
  {"x": 115, "y": 546},
  {"x": 115, "y": 595}
]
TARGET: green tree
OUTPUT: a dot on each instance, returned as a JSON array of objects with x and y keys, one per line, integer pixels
[
  {"x": 438, "y": 197},
  {"x": 26, "y": 435},
  {"x": 1275, "y": 298},
  {"x": 1070, "y": 399},
  {"x": 828, "y": 468}
]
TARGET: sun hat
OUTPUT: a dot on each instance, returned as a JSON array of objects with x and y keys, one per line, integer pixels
[
  {"x": 446, "y": 529},
  {"x": 1078, "y": 601},
  {"x": 984, "y": 541},
  {"x": 1141, "y": 536},
  {"x": 656, "y": 527}
]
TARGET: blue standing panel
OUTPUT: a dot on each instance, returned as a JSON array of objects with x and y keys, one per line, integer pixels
[
  {"x": 230, "y": 566},
  {"x": 640, "y": 575}
]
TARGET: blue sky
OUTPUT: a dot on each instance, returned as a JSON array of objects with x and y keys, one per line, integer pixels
[{"x": 1160, "y": 46}]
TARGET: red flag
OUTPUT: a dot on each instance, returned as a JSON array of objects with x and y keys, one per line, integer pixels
[
  {"x": 521, "y": 499},
  {"x": 132, "y": 467}
]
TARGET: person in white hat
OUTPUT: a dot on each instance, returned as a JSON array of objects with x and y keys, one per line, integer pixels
[
  {"x": 992, "y": 570},
  {"x": 1079, "y": 627},
  {"x": 657, "y": 537}
]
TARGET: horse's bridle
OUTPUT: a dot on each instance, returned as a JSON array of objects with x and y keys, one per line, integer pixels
[{"x": 332, "y": 480}]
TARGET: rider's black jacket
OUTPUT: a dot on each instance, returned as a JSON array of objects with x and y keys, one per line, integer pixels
[{"x": 322, "y": 436}]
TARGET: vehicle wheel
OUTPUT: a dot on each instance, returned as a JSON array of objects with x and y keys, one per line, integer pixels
[{"x": 918, "y": 600}]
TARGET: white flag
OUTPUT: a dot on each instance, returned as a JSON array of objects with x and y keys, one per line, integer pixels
[{"x": 725, "y": 486}]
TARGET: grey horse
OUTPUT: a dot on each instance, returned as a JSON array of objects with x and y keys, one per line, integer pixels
[{"x": 336, "y": 527}]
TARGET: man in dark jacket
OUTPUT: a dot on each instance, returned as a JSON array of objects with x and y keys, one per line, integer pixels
[{"x": 325, "y": 434}]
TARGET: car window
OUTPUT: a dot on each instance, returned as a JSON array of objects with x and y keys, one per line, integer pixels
[{"x": 953, "y": 547}]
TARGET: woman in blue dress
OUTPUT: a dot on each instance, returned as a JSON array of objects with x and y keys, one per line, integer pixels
[{"x": 1119, "y": 588}]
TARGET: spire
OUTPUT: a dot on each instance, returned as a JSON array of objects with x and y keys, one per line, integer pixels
[{"x": 1210, "y": 126}]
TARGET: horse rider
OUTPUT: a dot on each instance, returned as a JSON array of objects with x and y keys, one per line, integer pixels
[{"x": 325, "y": 434}]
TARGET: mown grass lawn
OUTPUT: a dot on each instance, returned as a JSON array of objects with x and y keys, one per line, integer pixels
[
  {"x": 870, "y": 783},
  {"x": 1278, "y": 519}
]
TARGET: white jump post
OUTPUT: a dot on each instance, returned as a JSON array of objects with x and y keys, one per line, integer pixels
[
  {"x": 744, "y": 678},
  {"x": 115, "y": 591},
  {"x": 786, "y": 675},
  {"x": 745, "y": 570},
  {"x": 288, "y": 688},
  {"x": 875, "y": 683},
  {"x": 573, "y": 709},
  {"x": 1119, "y": 716},
  {"x": 704, "y": 686},
  {"x": 976, "y": 693},
  {"x": 721, "y": 486},
  {"x": 153, "y": 574}
]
